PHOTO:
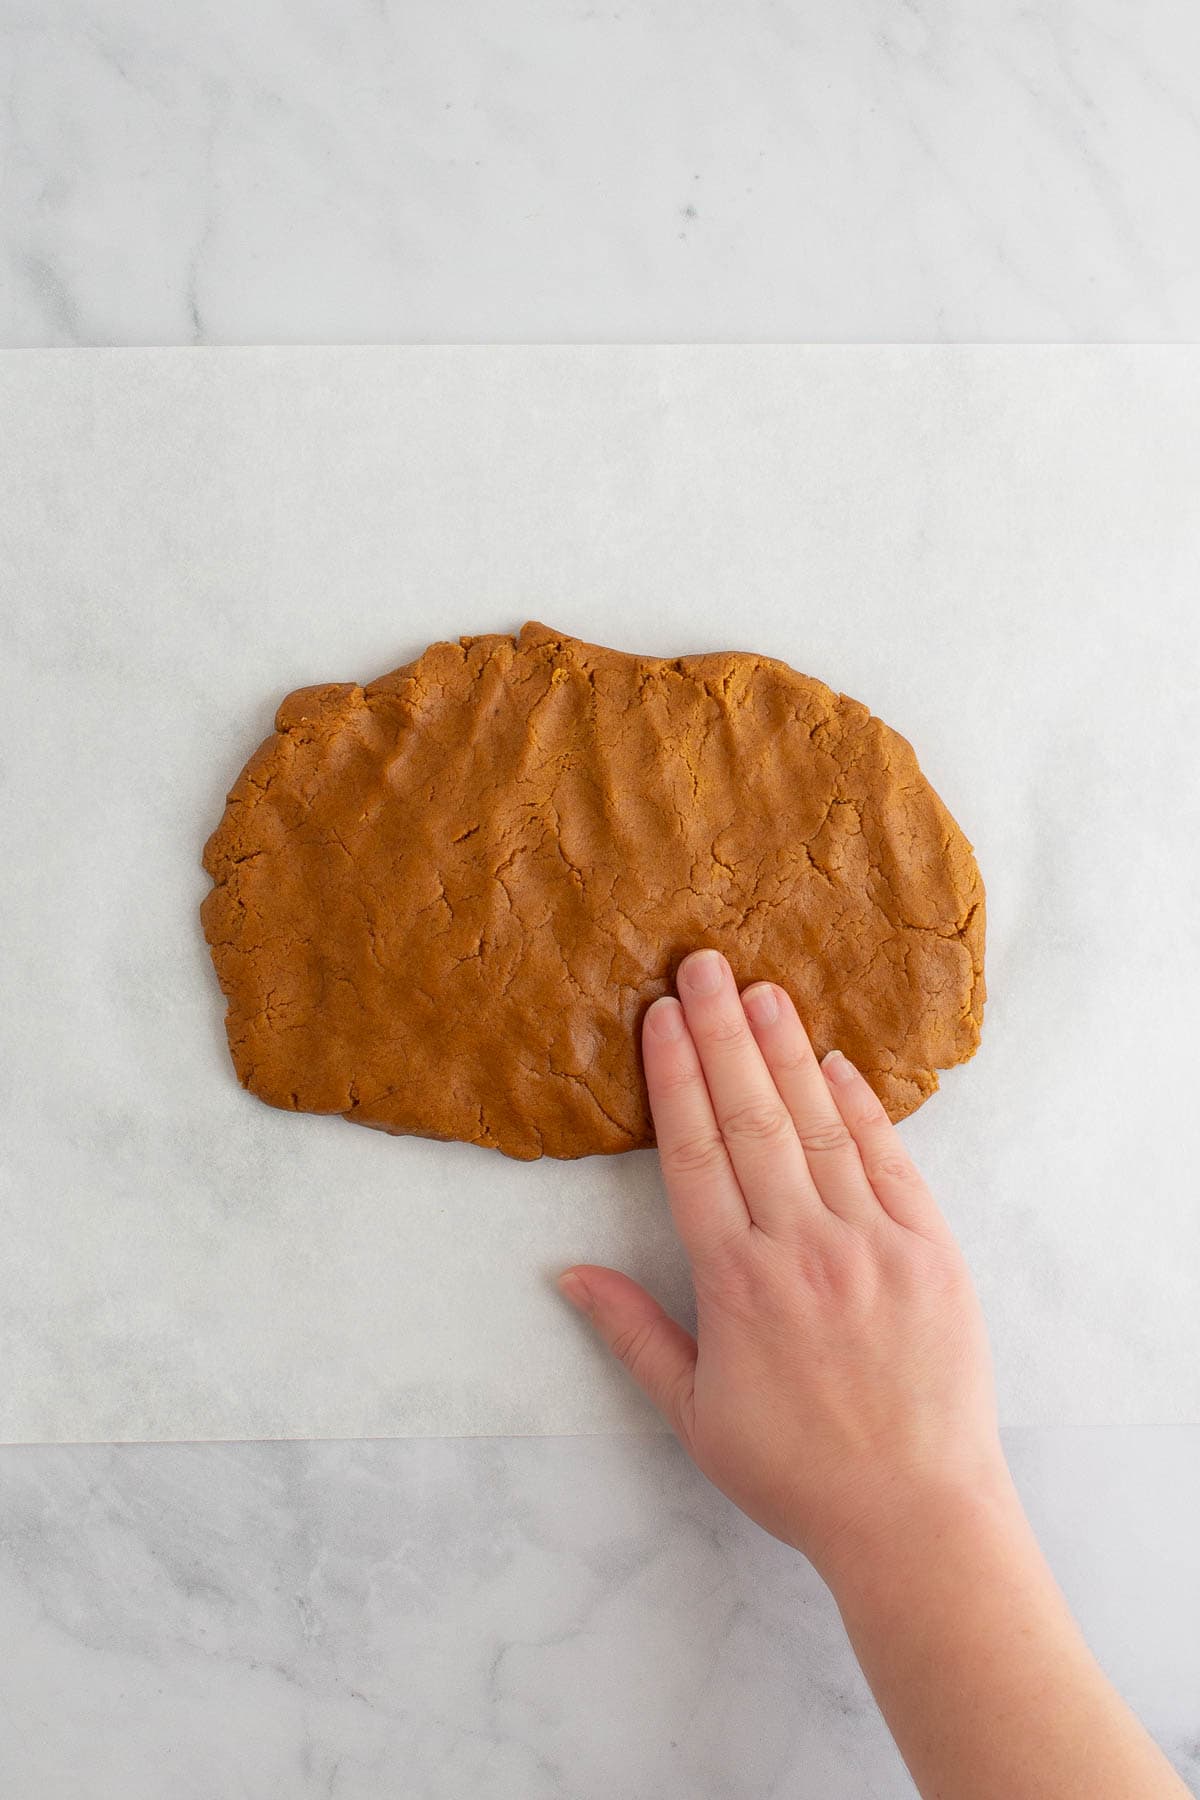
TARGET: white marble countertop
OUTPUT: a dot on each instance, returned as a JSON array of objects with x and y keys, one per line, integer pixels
[
  {"x": 259, "y": 171},
  {"x": 502, "y": 1619},
  {"x": 546, "y": 1618}
]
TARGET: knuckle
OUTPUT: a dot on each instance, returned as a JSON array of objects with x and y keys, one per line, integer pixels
[
  {"x": 895, "y": 1170},
  {"x": 630, "y": 1345},
  {"x": 828, "y": 1136},
  {"x": 843, "y": 1272},
  {"x": 726, "y": 1028},
  {"x": 698, "y": 1155},
  {"x": 758, "y": 1122},
  {"x": 931, "y": 1271},
  {"x": 726, "y": 1280},
  {"x": 868, "y": 1107},
  {"x": 722, "y": 1255},
  {"x": 676, "y": 1078},
  {"x": 682, "y": 1412}
]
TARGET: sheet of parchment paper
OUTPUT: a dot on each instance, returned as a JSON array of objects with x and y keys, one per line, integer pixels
[{"x": 998, "y": 550}]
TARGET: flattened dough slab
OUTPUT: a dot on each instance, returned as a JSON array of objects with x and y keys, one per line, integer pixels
[{"x": 443, "y": 902}]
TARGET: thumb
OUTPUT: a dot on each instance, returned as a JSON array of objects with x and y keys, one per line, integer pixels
[{"x": 659, "y": 1354}]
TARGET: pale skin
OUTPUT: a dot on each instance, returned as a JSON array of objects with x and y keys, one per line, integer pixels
[{"x": 839, "y": 1390}]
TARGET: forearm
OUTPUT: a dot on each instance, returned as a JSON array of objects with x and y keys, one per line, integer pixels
[{"x": 979, "y": 1669}]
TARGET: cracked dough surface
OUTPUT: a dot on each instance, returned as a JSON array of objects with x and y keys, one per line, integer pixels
[{"x": 442, "y": 903}]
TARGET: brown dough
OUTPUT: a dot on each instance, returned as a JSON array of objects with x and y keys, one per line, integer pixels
[{"x": 443, "y": 902}]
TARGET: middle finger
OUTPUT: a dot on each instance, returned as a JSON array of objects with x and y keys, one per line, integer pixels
[
  {"x": 829, "y": 1148},
  {"x": 756, "y": 1125}
]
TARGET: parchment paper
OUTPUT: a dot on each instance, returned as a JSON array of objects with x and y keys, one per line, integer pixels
[{"x": 998, "y": 550}]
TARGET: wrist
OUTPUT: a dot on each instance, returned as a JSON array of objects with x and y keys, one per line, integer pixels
[{"x": 913, "y": 1525}]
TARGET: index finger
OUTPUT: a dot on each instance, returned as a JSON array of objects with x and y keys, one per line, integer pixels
[{"x": 707, "y": 1203}]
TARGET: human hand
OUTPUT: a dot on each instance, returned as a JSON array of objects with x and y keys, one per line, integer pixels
[{"x": 839, "y": 1384}]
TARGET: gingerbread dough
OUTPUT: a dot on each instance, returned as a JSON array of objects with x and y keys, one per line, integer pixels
[{"x": 443, "y": 902}]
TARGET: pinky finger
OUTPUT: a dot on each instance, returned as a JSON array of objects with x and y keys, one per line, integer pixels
[{"x": 898, "y": 1184}]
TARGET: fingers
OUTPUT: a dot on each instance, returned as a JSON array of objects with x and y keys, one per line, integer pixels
[
  {"x": 829, "y": 1149},
  {"x": 750, "y": 1113},
  {"x": 895, "y": 1179},
  {"x": 706, "y": 1201},
  {"x": 657, "y": 1352}
]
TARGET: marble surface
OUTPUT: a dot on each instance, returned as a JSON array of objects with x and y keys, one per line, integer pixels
[
  {"x": 378, "y": 170},
  {"x": 502, "y": 1620},
  {"x": 527, "y": 1619}
]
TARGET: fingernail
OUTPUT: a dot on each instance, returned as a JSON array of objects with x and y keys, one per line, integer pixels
[
  {"x": 837, "y": 1066},
  {"x": 665, "y": 1018},
  {"x": 574, "y": 1289},
  {"x": 700, "y": 973},
  {"x": 762, "y": 1007}
]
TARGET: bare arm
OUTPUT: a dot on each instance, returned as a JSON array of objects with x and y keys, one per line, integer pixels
[{"x": 839, "y": 1390}]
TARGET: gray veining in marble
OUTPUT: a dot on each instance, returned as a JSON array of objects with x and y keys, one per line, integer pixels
[
  {"x": 374, "y": 170},
  {"x": 505, "y": 1620}
]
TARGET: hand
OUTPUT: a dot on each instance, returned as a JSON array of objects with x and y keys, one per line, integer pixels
[
  {"x": 840, "y": 1382},
  {"x": 839, "y": 1390}
]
